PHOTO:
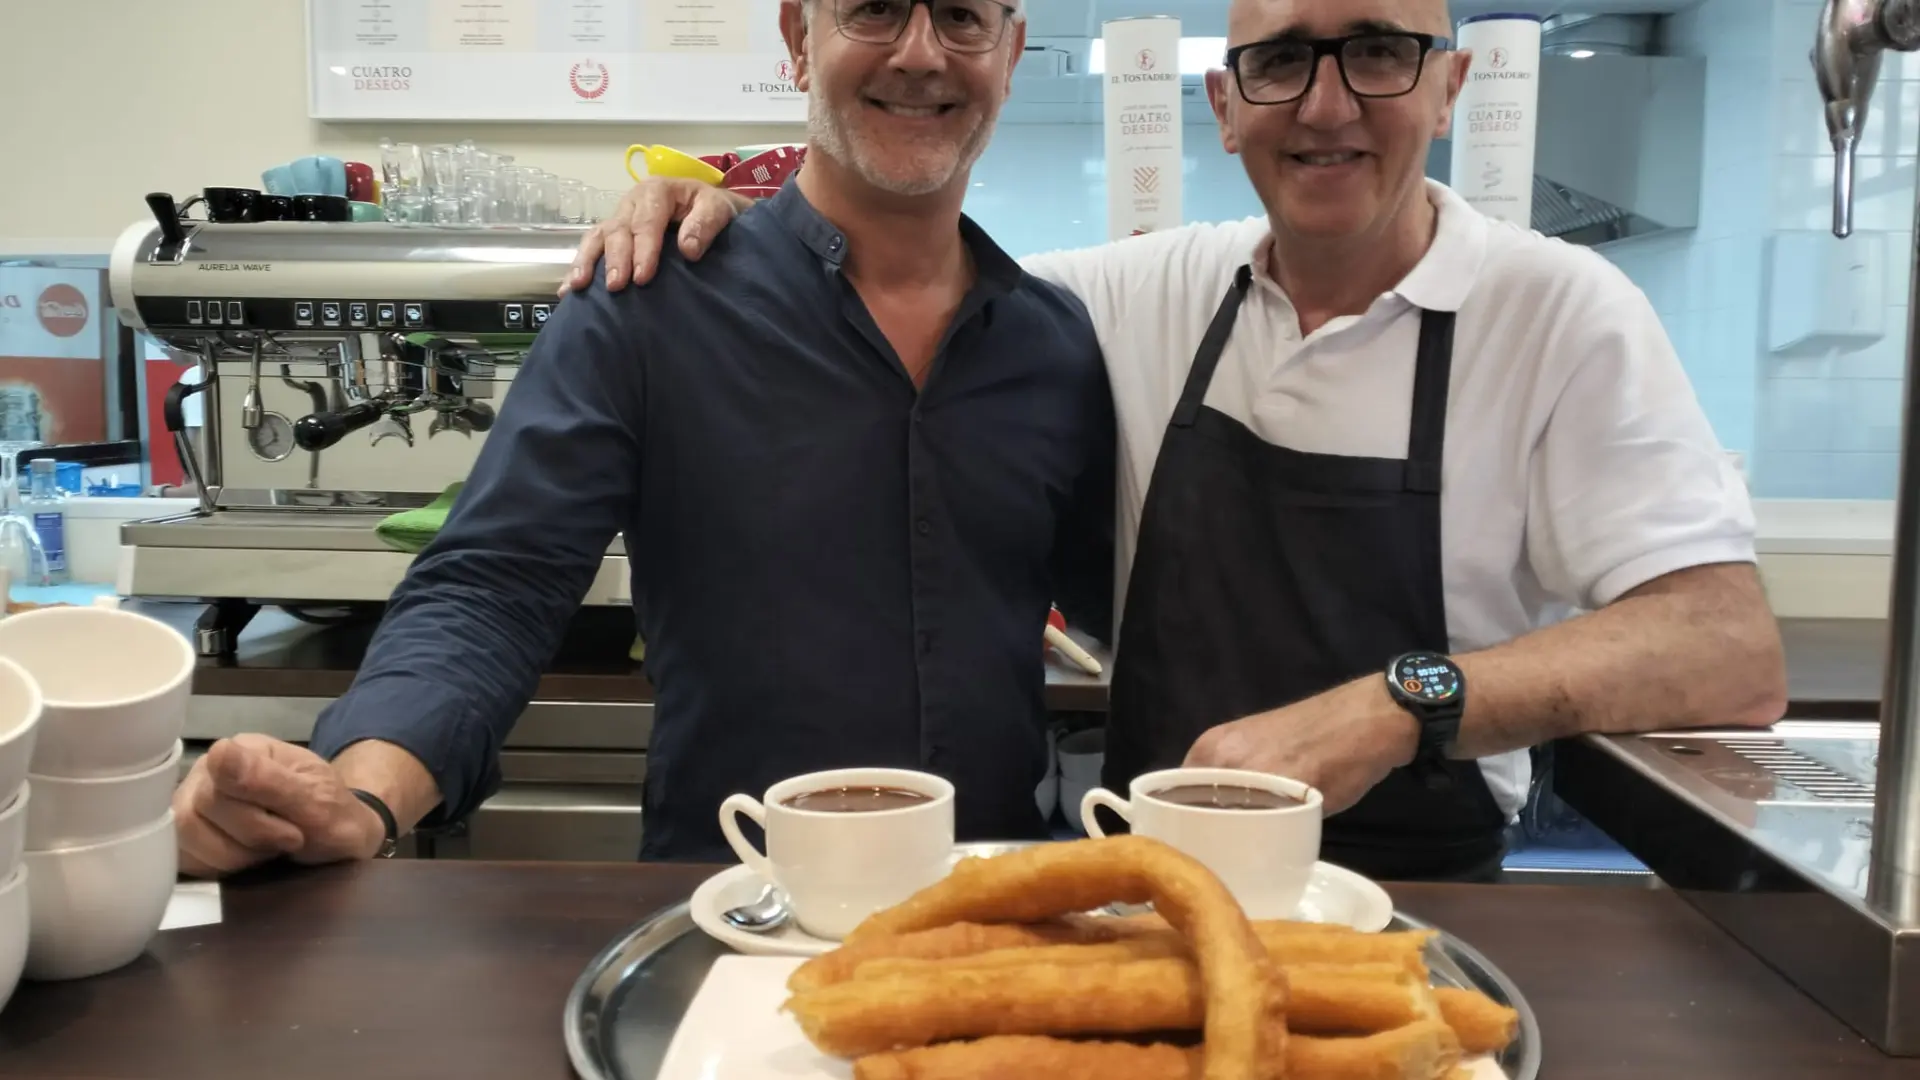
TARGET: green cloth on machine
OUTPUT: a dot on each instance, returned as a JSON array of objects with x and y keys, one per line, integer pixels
[{"x": 410, "y": 530}]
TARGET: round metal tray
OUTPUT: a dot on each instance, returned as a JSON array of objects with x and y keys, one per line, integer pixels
[{"x": 624, "y": 1008}]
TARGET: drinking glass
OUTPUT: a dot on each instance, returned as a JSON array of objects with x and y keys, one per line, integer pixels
[
  {"x": 573, "y": 202},
  {"x": 401, "y": 170},
  {"x": 443, "y": 171},
  {"x": 410, "y": 208},
  {"x": 21, "y": 554},
  {"x": 479, "y": 203}
]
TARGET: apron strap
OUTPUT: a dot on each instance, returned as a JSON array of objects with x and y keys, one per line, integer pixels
[
  {"x": 1211, "y": 347},
  {"x": 1427, "y": 434}
]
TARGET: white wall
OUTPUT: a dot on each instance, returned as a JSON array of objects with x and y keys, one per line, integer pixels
[{"x": 102, "y": 101}]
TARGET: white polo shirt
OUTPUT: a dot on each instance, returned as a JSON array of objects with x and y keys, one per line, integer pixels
[{"x": 1578, "y": 463}]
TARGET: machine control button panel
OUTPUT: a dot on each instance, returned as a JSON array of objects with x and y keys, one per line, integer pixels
[
  {"x": 359, "y": 313},
  {"x": 387, "y": 314},
  {"x": 303, "y": 313},
  {"x": 213, "y": 313},
  {"x": 194, "y": 315},
  {"x": 330, "y": 312},
  {"x": 236, "y": 314},
  {"x": 515, "y": 316},
  {"x": 413, "y": 313},
  {"x": 541, "y": 312}
]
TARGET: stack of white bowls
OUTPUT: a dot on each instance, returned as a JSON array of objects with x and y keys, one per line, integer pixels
[
  {"x": 100, "y": 853},
  {"x": 20, "y": 713}
]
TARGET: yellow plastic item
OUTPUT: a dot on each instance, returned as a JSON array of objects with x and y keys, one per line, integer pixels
[{"x": 666, "y": 161}]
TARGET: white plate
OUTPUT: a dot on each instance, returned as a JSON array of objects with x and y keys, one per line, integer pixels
[
  {"x": 734, "y": 1030},
  {"x": 1334, "y": 894}
]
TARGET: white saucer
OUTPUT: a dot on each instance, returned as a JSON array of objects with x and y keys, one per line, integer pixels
[{"x": 1334, "y": 895}]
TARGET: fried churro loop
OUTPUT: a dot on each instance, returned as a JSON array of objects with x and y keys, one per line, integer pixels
[
  {"x": 1424, "y": 1050},
  {"x": 1245, "y": 998}
]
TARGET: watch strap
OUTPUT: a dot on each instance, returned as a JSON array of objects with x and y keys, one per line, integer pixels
[{"x": 392, "y": 841}]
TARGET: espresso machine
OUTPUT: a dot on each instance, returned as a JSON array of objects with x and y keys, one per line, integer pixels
[{"x": 345, "y": 373}]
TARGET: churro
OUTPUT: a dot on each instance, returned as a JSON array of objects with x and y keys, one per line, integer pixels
[
  {"x": 936, "y": 1002},
  {"x": 1425, "y": 1050},
  {"x": 961, "y": 939},
  {"x": 1245, "y": 1000},
  {"x": 1484, "y": 1025},
  {"x": 1283, "y": 944}
]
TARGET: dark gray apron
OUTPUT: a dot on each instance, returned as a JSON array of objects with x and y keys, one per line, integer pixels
[{"x": 1265, "y": 575}]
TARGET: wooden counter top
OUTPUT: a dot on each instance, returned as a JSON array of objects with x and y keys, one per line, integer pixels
[{"x": 438, "y": 969}]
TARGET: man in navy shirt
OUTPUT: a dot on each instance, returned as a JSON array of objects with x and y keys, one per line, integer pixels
[{"x": 854, "y": 453}]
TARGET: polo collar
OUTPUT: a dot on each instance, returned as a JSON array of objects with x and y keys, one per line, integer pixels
[{"x": 1444, "y": 276}]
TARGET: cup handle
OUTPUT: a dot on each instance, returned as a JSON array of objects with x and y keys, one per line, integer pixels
[
  {"x": 730, "y": 825},
  {"x": 1102, "y": 797},
  {"x": 632, "y": 150}
]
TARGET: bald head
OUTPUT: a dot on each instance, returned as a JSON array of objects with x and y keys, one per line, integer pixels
[{"x": 1254, "y": 20}]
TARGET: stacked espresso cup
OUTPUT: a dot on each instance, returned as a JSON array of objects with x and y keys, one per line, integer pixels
[{"x": 92, "y": 704}]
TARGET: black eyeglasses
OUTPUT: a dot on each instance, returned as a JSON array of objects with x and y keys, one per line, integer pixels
[
  {"x": 967, "y": 26},
  {"x": 1375, "y": 64}
]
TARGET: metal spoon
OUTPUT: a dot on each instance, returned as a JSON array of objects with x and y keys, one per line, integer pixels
[{"x": 764, "y": 915}]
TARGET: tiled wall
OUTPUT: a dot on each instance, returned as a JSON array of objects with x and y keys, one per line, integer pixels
[
  {"x": 1705, "y": 282},
  {"x": 1811, "y": 426},
  {"x": 1824, "y": 425}
]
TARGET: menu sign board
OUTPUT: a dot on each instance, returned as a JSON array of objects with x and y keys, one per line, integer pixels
[{"x": 658, "y": 61}]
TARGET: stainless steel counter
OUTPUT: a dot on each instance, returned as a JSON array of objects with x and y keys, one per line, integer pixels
[{"x": 1769, "y": 834}]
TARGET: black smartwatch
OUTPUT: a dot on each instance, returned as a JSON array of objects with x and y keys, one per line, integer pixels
[
  {"x": 391, "y": 843},
  {"x": 1434, "y": 690}
]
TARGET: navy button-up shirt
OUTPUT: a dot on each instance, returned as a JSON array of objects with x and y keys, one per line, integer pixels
[{"x": 830, "y": 567}]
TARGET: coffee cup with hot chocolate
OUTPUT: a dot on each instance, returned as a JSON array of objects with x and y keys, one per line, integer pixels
[
  {"x": 847, "y": 843},
  {"x": 1259, "y": 833}
]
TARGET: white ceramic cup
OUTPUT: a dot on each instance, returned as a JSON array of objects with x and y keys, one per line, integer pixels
[
  {"x": 115, "y": 686},
  {"x": 1264, "y": 857},
  {"x": 21, "y": 712},
  {"x": 70, "y": 811},
  {"x": 14, "y": 812},
  {"x": 837, "y": 867},
  {"x": 14, "y": 926},
  {"x": 95, "y": 908}
]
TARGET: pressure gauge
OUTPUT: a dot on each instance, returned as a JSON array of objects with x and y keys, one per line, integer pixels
[{"x": 273, "y": 439}]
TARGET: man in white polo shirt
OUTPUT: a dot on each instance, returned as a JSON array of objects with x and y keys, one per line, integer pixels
[{"x": 1404, "y": 491}]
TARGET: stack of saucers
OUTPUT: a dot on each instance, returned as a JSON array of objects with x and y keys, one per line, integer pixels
[
  {"x": 20, "y": 713},
  {"x": 100, "y": 851}
]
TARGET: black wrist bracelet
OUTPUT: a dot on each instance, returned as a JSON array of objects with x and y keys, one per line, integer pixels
[{"x": 392, "y": 841}]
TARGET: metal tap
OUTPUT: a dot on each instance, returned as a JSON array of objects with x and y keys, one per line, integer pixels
[
  {"x": 1846, "y": 65},
  {"x": 1846, "y": 62}
]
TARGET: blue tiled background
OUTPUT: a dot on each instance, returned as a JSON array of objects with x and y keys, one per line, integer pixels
[{"x": 1825, "y": 426}]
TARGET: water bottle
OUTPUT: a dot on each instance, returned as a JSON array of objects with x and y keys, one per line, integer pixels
[{"x": 46, "y": 507}]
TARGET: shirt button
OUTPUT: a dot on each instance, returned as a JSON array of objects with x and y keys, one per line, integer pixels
[
  {"x": 834, "y": 245},
  {"x": 923, "y": 526}
]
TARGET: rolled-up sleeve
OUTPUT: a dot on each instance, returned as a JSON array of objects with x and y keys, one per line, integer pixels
[{"x": 468, "y": 632}]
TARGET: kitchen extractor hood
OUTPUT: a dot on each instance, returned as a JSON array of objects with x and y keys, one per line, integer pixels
[
  {"x": 1619, "y": 146},
  {"x": 1618, "y": 152}
]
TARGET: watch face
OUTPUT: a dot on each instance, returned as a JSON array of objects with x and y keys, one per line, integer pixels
[{"x": 1426, "y": 678}]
